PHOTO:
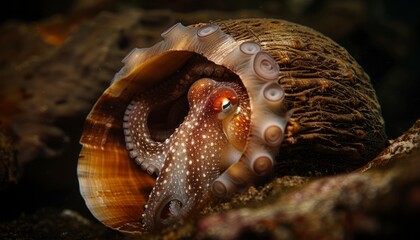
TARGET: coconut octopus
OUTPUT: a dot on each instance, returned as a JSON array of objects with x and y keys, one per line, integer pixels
[{"x": 217, "y": 107}]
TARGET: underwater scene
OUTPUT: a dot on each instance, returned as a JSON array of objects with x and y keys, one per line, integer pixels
[{"x": 195, "y": 120}]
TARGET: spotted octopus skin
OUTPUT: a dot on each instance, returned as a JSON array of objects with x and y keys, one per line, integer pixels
[
  {"x": 237, "y": 119},
  {"x": 187, "y": 168}
]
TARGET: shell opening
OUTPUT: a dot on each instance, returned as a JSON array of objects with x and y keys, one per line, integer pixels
[{"x": 164, "y": 119}]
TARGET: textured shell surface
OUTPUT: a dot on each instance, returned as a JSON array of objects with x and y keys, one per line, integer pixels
[{"x": 216, "y": 107}]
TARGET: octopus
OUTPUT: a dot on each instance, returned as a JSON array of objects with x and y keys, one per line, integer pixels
[{"x": 217, "y": 107}]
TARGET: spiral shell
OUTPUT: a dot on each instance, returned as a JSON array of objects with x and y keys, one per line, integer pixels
[{"x": 212, "y": 109}]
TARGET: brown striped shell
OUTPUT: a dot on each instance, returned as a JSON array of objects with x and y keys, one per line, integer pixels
[{"x": 212, "y": 108}]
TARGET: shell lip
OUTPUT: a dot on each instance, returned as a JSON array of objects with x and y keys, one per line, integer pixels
[{"x": 148, "y": 72}]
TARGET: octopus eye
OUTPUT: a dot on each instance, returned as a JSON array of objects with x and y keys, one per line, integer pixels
[
  {"x": 225, "y": 102},
  {"x": 226, "y": 105}
]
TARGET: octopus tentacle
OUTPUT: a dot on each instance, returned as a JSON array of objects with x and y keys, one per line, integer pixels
[
  {"x": 148, "y": 153},
  {"x": 183, "y": 183},
  {"x": 259, "y": 73}
]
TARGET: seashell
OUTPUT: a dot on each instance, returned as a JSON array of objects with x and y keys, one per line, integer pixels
[{"x": 216, "y": 107}]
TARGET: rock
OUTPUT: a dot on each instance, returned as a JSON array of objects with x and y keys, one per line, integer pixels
[
  {"x": 381, "y": 200},
  {"x": 51, "y": 223},
  {"x": 399, "y": 148},
  {"x": 18, "y": 43}
]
